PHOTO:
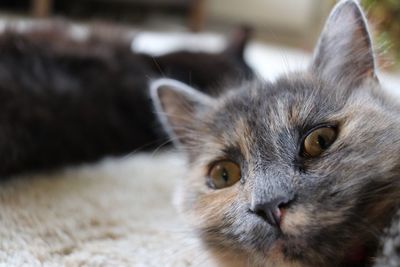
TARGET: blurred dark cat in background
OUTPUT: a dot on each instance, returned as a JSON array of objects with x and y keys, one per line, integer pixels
[{"x": 64, "y": 101}]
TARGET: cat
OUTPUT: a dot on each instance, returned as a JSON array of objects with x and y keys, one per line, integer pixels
[
  {"x": 65, "y": 101},
  {"x": 303, "y": 171}
]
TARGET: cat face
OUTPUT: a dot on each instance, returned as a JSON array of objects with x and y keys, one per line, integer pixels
[{"x": 299, "y": 172}]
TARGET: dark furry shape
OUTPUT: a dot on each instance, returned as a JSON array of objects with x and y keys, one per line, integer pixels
[{"x": 64, "y": 101}]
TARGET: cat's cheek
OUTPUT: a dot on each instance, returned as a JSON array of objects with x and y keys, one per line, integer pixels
[
  {"x": 187, "y": 194},
  {"x": 211, "y": 208},
  {"x": 201, "y": 205},
  {"x": 381, "y": 208}
]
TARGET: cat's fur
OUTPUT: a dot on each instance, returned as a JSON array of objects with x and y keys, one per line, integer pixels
[
  {"x": 340, "y": 201},
  {"x": 389, "y": 251},
  {"x": 66, "y": 101}
]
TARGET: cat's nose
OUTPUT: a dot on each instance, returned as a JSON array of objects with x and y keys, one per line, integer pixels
[{"x": 271, "y": 210}]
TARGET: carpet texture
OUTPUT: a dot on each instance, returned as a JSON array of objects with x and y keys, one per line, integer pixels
[{"x": 117, "y": 212}]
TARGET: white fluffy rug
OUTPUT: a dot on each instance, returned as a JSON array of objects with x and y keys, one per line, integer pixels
[
  {"x": 117, "y": 212},
  {"x": 114, "y": 213}
]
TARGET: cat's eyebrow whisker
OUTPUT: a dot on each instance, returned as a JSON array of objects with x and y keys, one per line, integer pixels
[
  {"x": 158, "y": 67},
  {"x": 187, "y": 147},
  {"x": 166, "y": 114},
  {"x": 159, "y": 147},
  {"x": 130, "y": 154}
]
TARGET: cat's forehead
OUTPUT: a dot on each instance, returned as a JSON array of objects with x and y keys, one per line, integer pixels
[
  {"x": 271, "y": 116},
  {"x": 295, "y": 101}
]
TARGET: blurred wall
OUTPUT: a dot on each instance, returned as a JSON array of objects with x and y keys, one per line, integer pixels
[{"x": 302, "y": 18}]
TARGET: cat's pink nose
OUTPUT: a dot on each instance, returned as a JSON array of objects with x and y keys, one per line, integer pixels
[{"x": 271, "y": 211}]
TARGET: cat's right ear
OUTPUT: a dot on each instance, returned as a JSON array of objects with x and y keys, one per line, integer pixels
[{"x": 178, "y": 107}]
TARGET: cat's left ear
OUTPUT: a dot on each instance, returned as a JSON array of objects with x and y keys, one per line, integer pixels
[
  {"x": 178, "y": 106},
  {"x": 344, "y": 52}
]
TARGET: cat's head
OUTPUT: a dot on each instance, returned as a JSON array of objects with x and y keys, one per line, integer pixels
[{"x": 299, "y": 172}]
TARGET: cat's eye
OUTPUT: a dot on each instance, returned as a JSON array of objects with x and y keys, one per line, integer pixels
[
  {"x": 224, "y": 173},
  {"x": 319, "y": 140}
]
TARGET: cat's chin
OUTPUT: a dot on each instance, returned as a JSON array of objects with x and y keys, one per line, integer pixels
[
  {"x": 357, "y": 256},
  {"x": 299, "y": 236},
  {"x": 303, "y": 249},
  {"x": 360, "y": 254},
  {"x": 289, "y": 252}
]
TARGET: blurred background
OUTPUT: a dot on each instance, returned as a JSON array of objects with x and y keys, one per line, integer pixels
[
  {"x": 285, "y": 23},
  {"x": 291, "y": 23}
]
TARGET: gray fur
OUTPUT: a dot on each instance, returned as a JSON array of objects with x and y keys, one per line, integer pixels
[
  {"x": 390, "y": 248},
  {"x": 342, "y": 200},
  {"x": 345, "y": 53}
]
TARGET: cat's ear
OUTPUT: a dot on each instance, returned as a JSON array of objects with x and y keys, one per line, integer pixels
[
  {"x": 344, "y": 52},
  {"x": 238, "y": 41},
  {"x": 178, "y": 106}
]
